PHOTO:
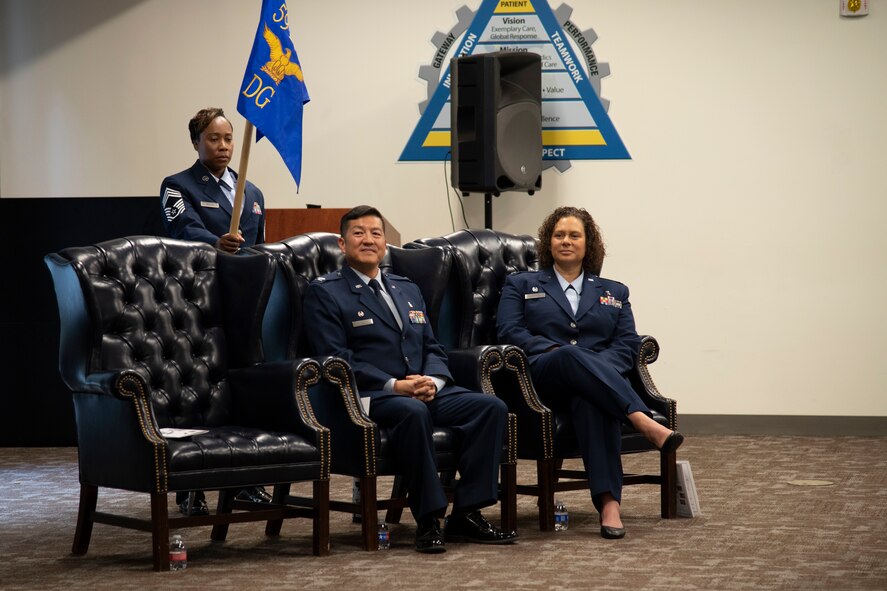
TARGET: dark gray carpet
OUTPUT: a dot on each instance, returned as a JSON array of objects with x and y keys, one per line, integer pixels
[{"x": 757, "y": 532}]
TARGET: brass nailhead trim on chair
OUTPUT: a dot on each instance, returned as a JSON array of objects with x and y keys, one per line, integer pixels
[
  {"x": 512, "y": 438},
  {"x": 348, "y": 395},
  {"x": 515, "y": 360},
  {"x": 648, "y": 354},
  {"x": 130, "y": 385},
  {"x": 309, "y": 375},
  {"x": 492, "y": 360}
]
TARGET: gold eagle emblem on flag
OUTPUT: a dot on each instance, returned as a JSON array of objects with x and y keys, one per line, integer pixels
[{"x": 279, "y": 64}]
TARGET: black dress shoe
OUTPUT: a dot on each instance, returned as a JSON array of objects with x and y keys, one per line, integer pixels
[
  {"x": 253, "y": 494},
  {"x": 198, "y": 507},
  {"x": 672, "y": 442},
  {"x": 429, "y": 538},
  {"x": 612, "y": 533},
  {"x": 474, "y": 527}
]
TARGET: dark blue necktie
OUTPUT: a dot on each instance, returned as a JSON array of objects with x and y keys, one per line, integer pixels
[
  {"x": 572, "y": 298},
  {"x": 377, "y": 289}
]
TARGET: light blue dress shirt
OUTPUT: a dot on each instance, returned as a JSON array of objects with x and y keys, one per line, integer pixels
[{"x": 572, "y": 289}]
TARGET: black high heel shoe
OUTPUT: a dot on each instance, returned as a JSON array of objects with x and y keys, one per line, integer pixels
[
  {"x": 672, "y": 442},
  {"x": 612, "y": 533}
]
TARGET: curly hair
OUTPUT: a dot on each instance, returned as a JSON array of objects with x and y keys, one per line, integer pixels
[
  {"x": 594, "y": 243},
  {"x": 201, "y": 121}
]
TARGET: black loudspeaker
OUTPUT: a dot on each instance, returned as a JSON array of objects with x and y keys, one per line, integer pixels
[{"x": 496, "y": 122}]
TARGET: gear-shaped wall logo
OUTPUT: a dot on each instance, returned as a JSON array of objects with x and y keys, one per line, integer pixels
[{"x": 575, "y": 120}]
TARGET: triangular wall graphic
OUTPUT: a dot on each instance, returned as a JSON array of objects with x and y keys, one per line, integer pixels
[{"x": 575, "y": 125}]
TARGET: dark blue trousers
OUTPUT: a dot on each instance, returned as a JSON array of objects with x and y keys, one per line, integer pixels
[
  {"x": 478, "y": 419},
  {"x": 599, "y": 399}
]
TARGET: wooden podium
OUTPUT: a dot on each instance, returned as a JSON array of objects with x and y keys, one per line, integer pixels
[{"x": 283, "y": 223}]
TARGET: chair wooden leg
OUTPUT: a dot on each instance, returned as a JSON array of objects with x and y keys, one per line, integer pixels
[
  {"x": 160, "y": 531},
  {"x": 225, "y": 505},
  {"x": 508, "y": 496},
  {"x": 321, "y": 536},
  {"x": 278, "y": 497},
  {"x": 545, "y": 478},
  {"x": 669, "y": 487},
  {"x": 398, "y": 491},
  {"x": 448, "y": 478},
  {"x": 369, "y": 518},
  {"x": 89, "y": 494}
]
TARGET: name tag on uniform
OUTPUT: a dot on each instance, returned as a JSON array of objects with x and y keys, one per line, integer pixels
[
  {"x": 211, "y": 204},
  {"x": 364, "y": 322},
  {"x": 534, "y": 296},
  {"x": 417, "y": 317}
]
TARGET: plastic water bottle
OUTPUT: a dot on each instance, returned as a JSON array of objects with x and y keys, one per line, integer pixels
[
  {"x": 384, "y": 536},
  {"x": 561, "y": 517},
  {"x": 178, "y": 554}
]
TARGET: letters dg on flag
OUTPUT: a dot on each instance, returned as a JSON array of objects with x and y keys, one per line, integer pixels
[{"x": 273, "y": 90}]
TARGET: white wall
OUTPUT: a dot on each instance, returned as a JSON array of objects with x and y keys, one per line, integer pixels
[{"x": 748, "y": 223}]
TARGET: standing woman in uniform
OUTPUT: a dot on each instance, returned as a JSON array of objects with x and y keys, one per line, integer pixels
[
  {"x": 578, "y": 332},
  {"x": 197, "y": 202}
]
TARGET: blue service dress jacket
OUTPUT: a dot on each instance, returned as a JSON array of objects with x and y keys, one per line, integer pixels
[
  {"x": 349, "y": 321},
  {"x": 534, "y": 314},
  {"x": 195, "y": 208}
]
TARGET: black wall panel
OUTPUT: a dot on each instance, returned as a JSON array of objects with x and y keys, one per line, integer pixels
[{"x": 36, "y": 405}]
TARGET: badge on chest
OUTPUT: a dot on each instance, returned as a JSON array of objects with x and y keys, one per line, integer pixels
[
  {"x": 363, "y": 322},
  {"x": 535, "y": 295}
]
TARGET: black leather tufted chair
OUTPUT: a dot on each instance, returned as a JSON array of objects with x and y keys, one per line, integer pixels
[
  {"x": 482, "y": 261},
  {"x": 160, "y": 333},
  {"x": 359, "y": 448}
]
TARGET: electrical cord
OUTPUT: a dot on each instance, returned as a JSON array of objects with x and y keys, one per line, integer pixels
[
  {"x": 458, "y": 196},
  {"x": 447, "y": 192}
]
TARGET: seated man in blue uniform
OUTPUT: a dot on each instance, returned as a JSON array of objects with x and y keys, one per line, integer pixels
[
  {"x": 377, "y": 323},
  {"x": 197, "y": 205},
  {"x": 197, "y": 202}
]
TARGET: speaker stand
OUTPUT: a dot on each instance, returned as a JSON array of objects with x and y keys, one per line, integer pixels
[{"x": 488, "y": 211}]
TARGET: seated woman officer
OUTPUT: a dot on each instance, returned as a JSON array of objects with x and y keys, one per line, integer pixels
[{"x": 578, "y": 332}]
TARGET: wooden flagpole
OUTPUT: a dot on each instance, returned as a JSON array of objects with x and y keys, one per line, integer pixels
[{"x": 241, "y": 177}]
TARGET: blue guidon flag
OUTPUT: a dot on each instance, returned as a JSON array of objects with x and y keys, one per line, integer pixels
[{"x": 273, "y": 91}]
